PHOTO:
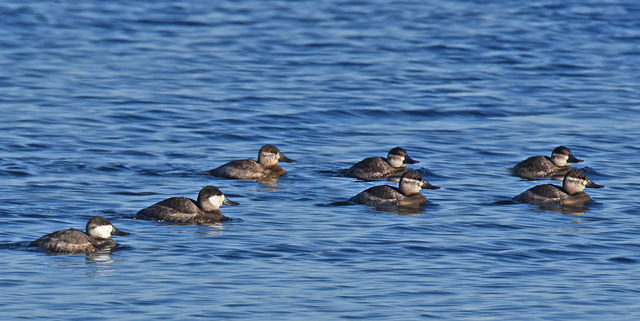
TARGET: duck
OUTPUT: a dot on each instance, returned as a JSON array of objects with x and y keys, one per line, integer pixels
[
  {"x": 570, "y": 193},
  {"x": 544, "y": 166},
  {"x": 72, "y": 241},
  {"x": 407, "y": 194},
  {"x": 184, "y": 210},
  {"x": 372, "y": 168},
  {"x": 266, "y": 166}
]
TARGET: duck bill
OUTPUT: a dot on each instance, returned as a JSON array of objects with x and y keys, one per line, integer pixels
[
  {"x": 285, "y": 159},
  {"x": 426, "y": 185},
  {"x": 116, "y": 231},
  {"x": 409, "y": 160},
  {"x": 591, "y": 184},
  {"x": 227, "y": 201},
  {"x": 573, "y": 159}
]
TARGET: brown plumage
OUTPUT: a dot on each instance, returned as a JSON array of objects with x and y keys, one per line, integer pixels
[
  {"x": 374, "y": 168},
  {"x": 377, "y": 167},
  {"x": 544, "y": 166},
  {"x": 74, "y": 241},
  {"x": 385, "y": 195},
  {"x": 571, "y": 192},
  {"x": 538, "y": 166},
  {"x": 266, "y": 166},
  {"x": 184, "y": 210},
  {"x": 406, "y": 195},
  {"x": 551, "y": 194}
]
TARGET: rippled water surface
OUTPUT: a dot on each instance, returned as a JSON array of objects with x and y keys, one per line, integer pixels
[{"x": 109, "y": 107}]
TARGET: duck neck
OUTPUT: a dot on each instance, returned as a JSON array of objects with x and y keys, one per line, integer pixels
[{"x": 104, "y": 243}]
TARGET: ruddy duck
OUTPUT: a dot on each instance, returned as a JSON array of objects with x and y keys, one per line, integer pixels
[
  {"x": 377, "y": 167},
  {"x": 543, "y": 166},
  {"x": 265, "y": 167},
  {"x": 97, "y": 238},
  {"x": 571, "y": 192},
  {"x": 187, "y": 211},
  {"x": 407, "y": 194}
]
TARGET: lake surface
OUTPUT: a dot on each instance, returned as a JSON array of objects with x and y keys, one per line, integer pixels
[{"x": 109, "y": 107}]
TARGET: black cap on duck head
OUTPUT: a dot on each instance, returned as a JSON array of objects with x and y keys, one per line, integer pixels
[
  {"x": 576, "y": 175},
  {"x": 413, "y": 175},
  {"x": 101, "y": 227},
  {"x": 207, "y": 192},
  {"x": 563, "y": 150},
  {"x": 399, "y": 151},
  {"x": 272, "y": 149}
]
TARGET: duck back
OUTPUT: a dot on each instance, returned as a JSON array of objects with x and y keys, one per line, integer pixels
[
  {"x": 373, "y": 168},
  {"x": 67, "y": 241},
  {"x": 385, "y": 195},
  {"x": 551, "y": 194},
  {"x": 534, "y": 166},
  {"x": 240, "y": 169},
  {"x": 180, "y": 210}
]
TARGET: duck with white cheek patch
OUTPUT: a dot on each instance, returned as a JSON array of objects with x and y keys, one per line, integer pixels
[
  {"x": 407, "y": 194},
  {"x": 97, "y": 238},
  {"x": 266, "y": 166},
  {"x": 184, "y": 210},
  {"x": 571, "y": 192},
  {"x": 377, "y": 167},
  {"x": 544, "y": 166}
]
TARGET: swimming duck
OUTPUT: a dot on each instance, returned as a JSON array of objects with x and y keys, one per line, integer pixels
[
  {"x": 543, "y": 166},
  {"x": 97, "y": 238},
  {"x": 407, "y": 194},
  {"x": 377, "y": 167},
  {"x": 266, "y": 166},
  {"x": 571, "y": 192},
  {"x": 188, "y": 211}
]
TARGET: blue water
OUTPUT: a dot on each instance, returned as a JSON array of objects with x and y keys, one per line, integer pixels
[{"x": 109, "y": 107}]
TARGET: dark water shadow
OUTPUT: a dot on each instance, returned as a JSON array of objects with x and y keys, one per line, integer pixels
[
  {"x": 425, "y": 172},
  {"x": 589, "y": 171},
  {"x": 401, "y": 210},
  {"x": 24, "y": 246},
  {"x": 342, "y": 173},
  {"x": 332, "y": 173},
  {"x": 266, "y": 182},
  {"x": 592, "y": 172},
  {"x": 218, "y": 225}
]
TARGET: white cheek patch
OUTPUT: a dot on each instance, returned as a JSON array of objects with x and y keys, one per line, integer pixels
[
  {"x": 216, "y": 200},
  {"x": 411, "y": 185},
  {"x": 575, "y": 184},
  {"x": 396, "y": 161},
  {"x": 574, "y": 180},
  {"x": 103, "y": 231},
  {"x": 560, "y": 159},
  {"x": 268, "y": 159}
]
